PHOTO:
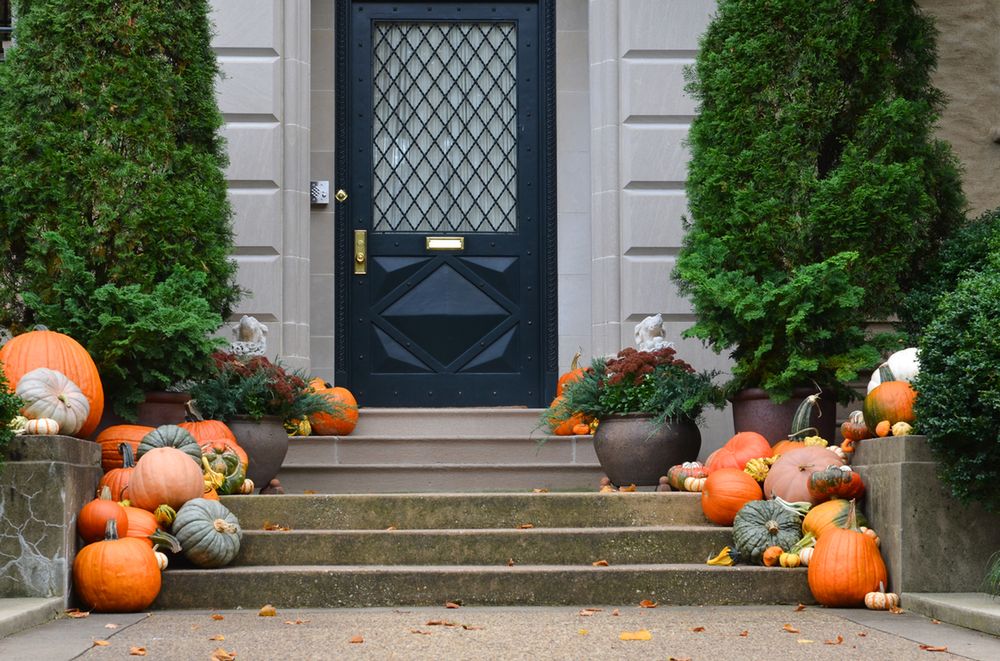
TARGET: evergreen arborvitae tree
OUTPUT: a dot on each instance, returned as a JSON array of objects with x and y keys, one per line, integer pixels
[
  {"x": 816, "y": 186},
  {"x": 113, "y": 210}
]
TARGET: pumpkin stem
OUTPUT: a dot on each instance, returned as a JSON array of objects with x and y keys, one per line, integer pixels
[
  {"x": 111, "y": 529},
  {"x": 161, "y": 537},
  {"x": 105, "y": 493},
  {"x": 222, "y": 525},
  {"x": 852, "y": 517},
  {"x": 800, "y": 421},
  {"x": 128, "y": 456},
  {"x": 575, "y": 363},
  {"x": 772, "y": 527},
  {"x": 885, "y": 374},
  {"x": 191, "y": 414}
]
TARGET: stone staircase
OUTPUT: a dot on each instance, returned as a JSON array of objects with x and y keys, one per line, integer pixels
[{"x": 426, "y": 506}]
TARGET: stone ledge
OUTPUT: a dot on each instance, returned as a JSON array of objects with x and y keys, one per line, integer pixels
[
  {"x": 892, "y": 450},
  {"x": 59, "y": 449},
  {"x": 972, "y": 610},
  {"x": 19, "y": 614}
]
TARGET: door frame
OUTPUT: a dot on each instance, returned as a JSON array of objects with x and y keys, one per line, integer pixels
[{"x": 548, "y": 284}]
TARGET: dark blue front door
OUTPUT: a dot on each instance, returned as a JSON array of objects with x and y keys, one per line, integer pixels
[{"x": 442, "y": 234}]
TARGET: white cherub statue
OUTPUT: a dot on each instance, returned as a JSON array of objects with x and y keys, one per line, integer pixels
[
  {"x": 251, "y": 337},
  {"x": 649, "y": 335}
]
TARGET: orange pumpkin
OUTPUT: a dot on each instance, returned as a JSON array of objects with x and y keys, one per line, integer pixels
[
  {"x": 825, "y": 516},
  {"x": 116, "y": 575},
  {"x": 92, "y": 521},
  {"x": 111, "y": 437},
  {"x": 117, "y": 479},
  {"x": 165, "y": 476},
  {"x": 854, "y": 428},
  {"x": 575, "y": 373},
  {"x": 789, "y": 475},
  {"x": 45, "y": 348},
  {"x": 210, "y": 494},
  {"x": 340, "y": 423},
  {"x": 845, "y": 566},
  {"x": 891, "y": 400},
  {"x": 216, "y": 435},
  {"x": 141, "y": 524},
  {"x": 737, "y": 451},
  {"x": 725, "y": 492},
  {"x": 562, "y": 426}
]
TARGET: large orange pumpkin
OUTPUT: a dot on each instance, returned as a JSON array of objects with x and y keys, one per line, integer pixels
[
  {"x": 44, "y": 348},
  {"x": 825, "y": 516},
  {"x": 165, "y": 476},
  {"x": 111, "y": 437},
  {"x": 117, "y": 575},
  {"x": 725, "y": 492},
  {"x": 845, "y": 566},
  {"x": 737, "y": 451},
  {"x": 336, "y": 424},
  {"x": 217, "y": 435},
  {"x": 789, "y": 475},
  {"x": 891, "y": 400}
]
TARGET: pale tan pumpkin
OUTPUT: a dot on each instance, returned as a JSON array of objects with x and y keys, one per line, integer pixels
[
  {"x": 48, "y": 393},
  {"x": 41, "y": 427},
  {"x": 161, "y": 477}
]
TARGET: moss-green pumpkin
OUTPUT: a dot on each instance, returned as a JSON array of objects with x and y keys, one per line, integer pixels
[
  {"x": 228, "y": 463},
  {"x": 208, "y": 532},
  {"x": 170, "y": 436},
  {"x": 761, "y": 524}
]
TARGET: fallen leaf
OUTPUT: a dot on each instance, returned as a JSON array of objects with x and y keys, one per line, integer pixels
[
  {"x": 800, "y": 607},
  {"x": 356, "y": 639},
  {"x": 935, "y": 621},
  {"x": 219, "y": 637},
  {"x": 309, "y": 491},
  {"x": 790, "y": 629},
  {"x": 220, "y": 654},
  {"x": 647, "y": 603},
  {"x": 629, "y": 489},
  {"x": 216, "y": 616},
  {"x": 77, "y": 613},
  {"x": 452, "y": 604},
  {"x": 934, "y": 648},
  {"x": 101, "y": 643},
  {"x": 804, "y": 641},
  {"x": 587, "y": 612},
  {"x": 441, "y": 623},
  {"x": 110, "y": 625},
  {"x": 837, "y": 641},
  {"x": 275, "y": 526},
  {"x": 471, "y": 627},
  {"x": 583, "y": 632},
  {"x": 679, "y": 658},
  {"x": 542, "y": 490},
  {"x": 641, "y": 634},
  {"x": 697, "y": 629},
  {"x": 510, "y": 562},
  {"x": 267, "y": 610},
  {"x": 615, "y": 613},
  {"x": 422, "y": 633},
  {"x": 137, "y": 651},
  {"x": 526, "y": 526},
  {"x": 391, "y": 528},
  {"x": 296, "y": 621},
  {"x": 600, "y": 563},
  {"x": 862, "y": 634},
  {"x": 896, "y": 610},
  {"x": 744, "y": 634},
  {"x": 607, "y": 488}
]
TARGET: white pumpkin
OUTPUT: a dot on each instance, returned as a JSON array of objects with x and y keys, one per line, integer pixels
[
  {"x": 805, "y": 555},
  {"x": 41, "y": 427},
  {"x": 50, "y": 394},
  {"x": 904, "y": 365}
]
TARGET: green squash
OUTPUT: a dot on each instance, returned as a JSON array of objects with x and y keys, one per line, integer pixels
[
  {"x": 764, "y": 523},
  {"x": 228, "y": 463},
  {"x": 170, "y": 436},
  {"x": 208, "y": 532}
]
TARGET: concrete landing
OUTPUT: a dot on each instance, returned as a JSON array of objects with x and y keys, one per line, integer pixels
[
  {"x": 972, "y": 610},
  {"x": 24, "y": 612}
]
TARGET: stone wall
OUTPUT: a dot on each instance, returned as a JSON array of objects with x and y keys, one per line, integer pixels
[{"x": 43, "y": 484}]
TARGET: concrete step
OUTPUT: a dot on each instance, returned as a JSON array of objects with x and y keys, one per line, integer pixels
[
  {"x": 467, "y": 510},
  {"x": 356, "y": 586},
  {"x": 627, "y": 545},
  {"x": 402, "y": 422}
]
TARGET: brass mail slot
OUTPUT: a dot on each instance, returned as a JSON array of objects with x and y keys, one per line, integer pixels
[{"x": 446, "y": 243}]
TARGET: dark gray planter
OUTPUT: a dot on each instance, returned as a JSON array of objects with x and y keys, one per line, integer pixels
[
  {"x": 633, "y": 451},
  {"x": 265, "y": 442},
  {"x": 753, "y": 410}
]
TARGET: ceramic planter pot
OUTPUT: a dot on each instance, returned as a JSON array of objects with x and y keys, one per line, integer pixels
[
  {"x": 162, "y": 408},
  {"x": 634, "y": 451},
  {"x": 265, "y": 442},
  {"x": 753, "y": 410}
]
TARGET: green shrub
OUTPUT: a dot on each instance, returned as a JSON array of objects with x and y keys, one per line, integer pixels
[
  {"x": 111, "y": 165},
  {"x": 967, "y": 249},
  {"x": 816, "y": 187},
  {"x": 958, "y": 387},
  {"x": 10, "y": 406}
]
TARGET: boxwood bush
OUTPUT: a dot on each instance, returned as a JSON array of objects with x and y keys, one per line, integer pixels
[{"x": 958, "y": 387}]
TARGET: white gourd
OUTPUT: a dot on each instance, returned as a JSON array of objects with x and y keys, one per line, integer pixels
[
  {"x": 48, "y": 393},
  {"x": 904, "y": 365},
  {"x": 41, "y": 427}
]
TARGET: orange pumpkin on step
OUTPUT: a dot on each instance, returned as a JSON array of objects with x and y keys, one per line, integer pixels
[
  {"x": 111, "y": 437},
  {"x": 845, "y": 566},
  {"x": 343, "y": 421},
  {"x": 725, "y": 492},
  {"x": 216, "y": 435},
  {"x": 575, "y": 373},
  {"x": 737, "y": 451}
]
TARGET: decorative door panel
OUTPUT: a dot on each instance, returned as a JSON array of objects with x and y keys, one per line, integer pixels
[{"x": 445, "y": 278}]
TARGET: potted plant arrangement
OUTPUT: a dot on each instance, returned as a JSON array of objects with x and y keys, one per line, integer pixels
[
  {"x": 255, "y": 397},
  {"x": 817, "y": 192},
  {"x": 647, "y": 404}
]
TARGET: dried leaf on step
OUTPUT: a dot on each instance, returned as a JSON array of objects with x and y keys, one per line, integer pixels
[
  {"x": 216, "y": 616},
  {"x": 836, "y": 641},
  {"x": 110, "y": 625},
  {"x": 542, "y": 490},
  {"x": 615, "y": 613},
  {"x": 744, "y": 633},
  {"x": 525, "y": 526},
  {"x": 510, "y": 562},
  {"x": 800, "y": 607},
  {"x": 935, "y": 621},
  {"x": 629, "y": 489},
  {"x": 422, "y": 633},
  {"x": 804, "y": 641},
  {"x": 607, "y": 488},
  {"x": 790, "y": 629},
  {"x": 296, "y": 621},
  {"x": 697, "y": 629},
  {"x": 641, "y": 634},
  {"x": 896, "y": 610},
  {"x": 77, "y": 613},
  {"x": 310, "y": 491},
  {"x": 600, "y": 563},
  {"x": 137, "y": 651},
  {"x": 452, "y": 604},
  {"x": 275, "y": 526},
  {"x": 587, "y": 612},
  {"x": 220, "y": 654},
  {"x": 471, "y": 627},
  {"x": 441, "y": 623},
  {"x": 679, "y": 658},
  {"x": 101, "y": 643},
  {"x": 862, "y": 634},
  {"x": 391, "y": 528},
  {"x": 356, "y": 639},
  {"x": 647, "y": 603},
  {"x": 583, "y": 632},
  {"x": 219, "y": 637},
  {"x": 934, "y": 648},
  {"x": 267, "y": 610}
]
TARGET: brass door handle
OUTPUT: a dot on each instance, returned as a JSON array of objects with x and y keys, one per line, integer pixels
[
  {"x": 360, "y": 252},
  {"x": 340, "y": 195}
]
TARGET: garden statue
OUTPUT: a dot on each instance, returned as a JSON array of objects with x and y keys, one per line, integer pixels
[
  {"x": 251, "y": 337},
  {"x": 649, "y": 334}
]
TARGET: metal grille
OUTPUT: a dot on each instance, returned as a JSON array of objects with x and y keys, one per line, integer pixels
[{"x": 445, "y": 127}]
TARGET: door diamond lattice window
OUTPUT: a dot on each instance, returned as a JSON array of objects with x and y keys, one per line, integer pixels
[{"x": 445, "y": 127}]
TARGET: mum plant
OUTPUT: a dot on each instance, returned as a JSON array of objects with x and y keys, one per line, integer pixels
[
  {"x": 114, "y": 218},
  {"x": 817, "y": 190},
  {"x": 655, "y": 383}
]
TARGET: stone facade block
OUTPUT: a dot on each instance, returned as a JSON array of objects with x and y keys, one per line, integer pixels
[
  {"x": 650, "y": 25},
  {"x": 247, "y": 24},
  {"x": 655, "y": 88},
  {"x": 250, "y": 86},
  {"x": 653, "y": 153}
]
